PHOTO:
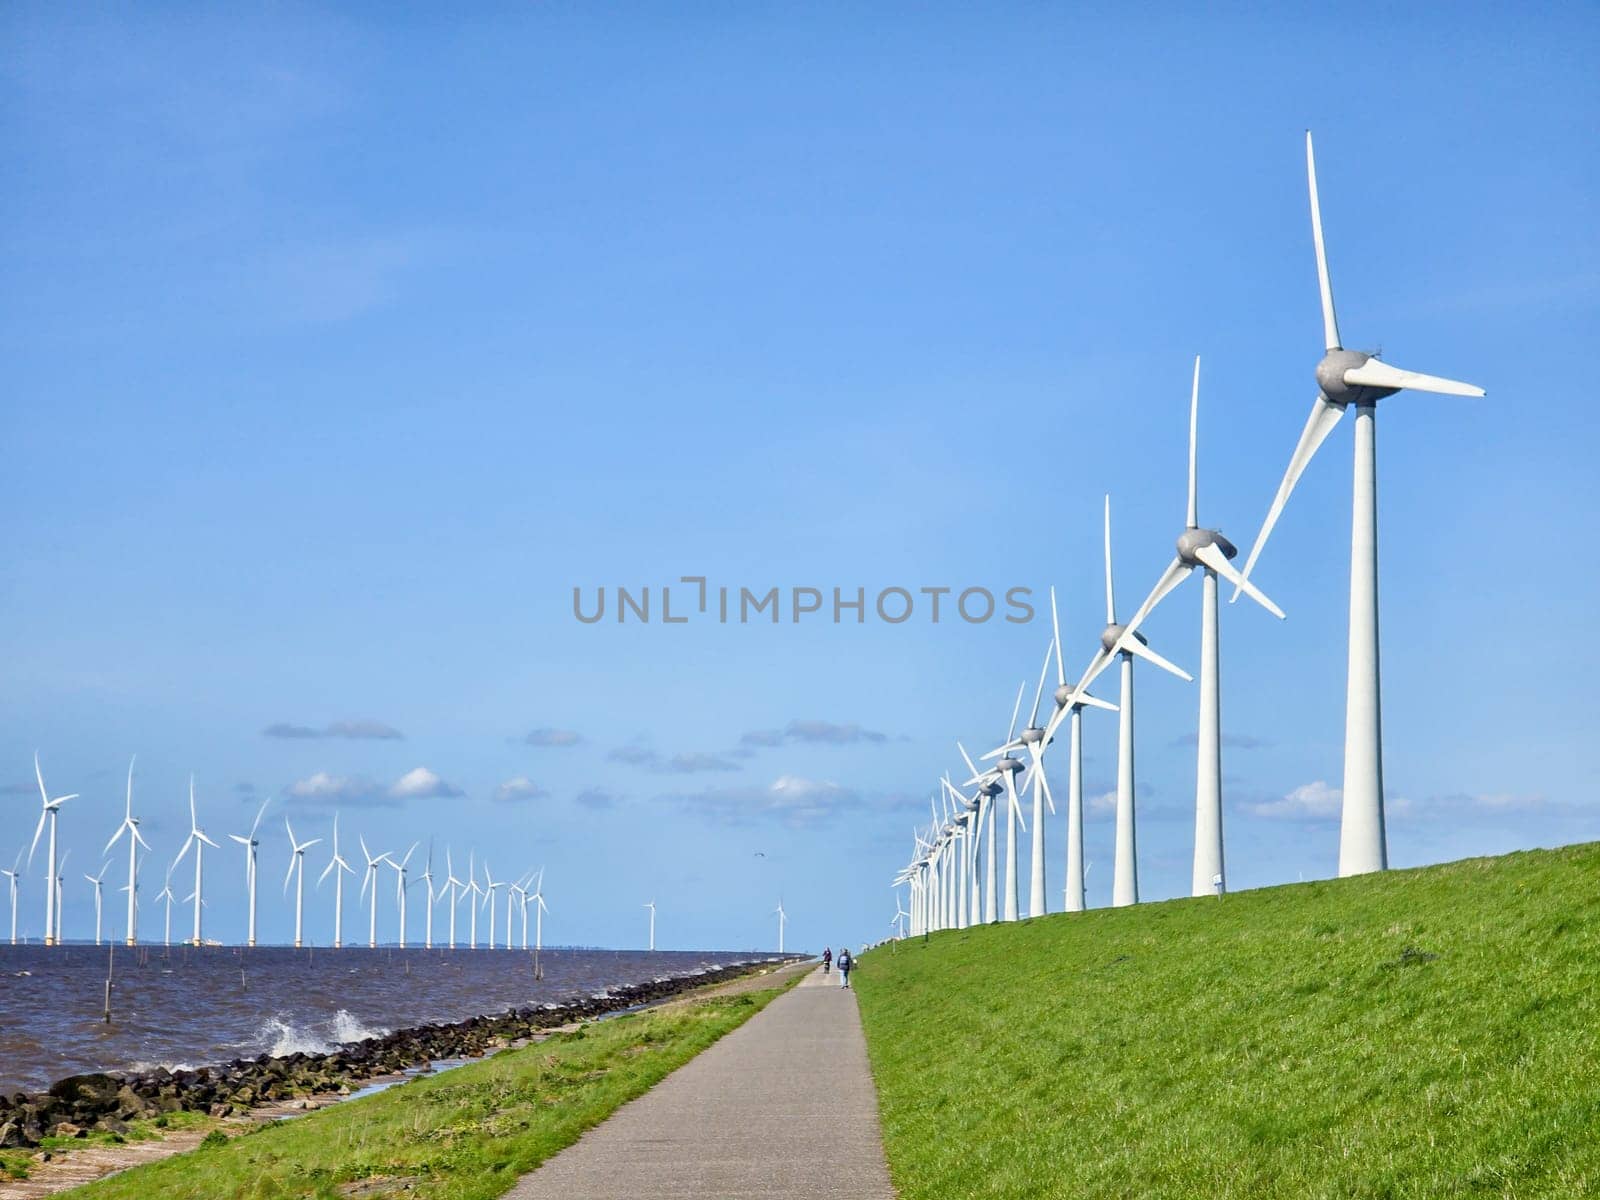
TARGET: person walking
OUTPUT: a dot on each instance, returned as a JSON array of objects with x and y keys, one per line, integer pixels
[
  {"x": 845, "y": 963},
  {"x": 827, "y": 958}
]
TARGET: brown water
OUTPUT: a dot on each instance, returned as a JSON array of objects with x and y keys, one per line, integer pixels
[{"x": 189, "y": 1007}]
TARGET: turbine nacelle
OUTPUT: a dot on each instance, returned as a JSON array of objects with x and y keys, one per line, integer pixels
[
  {"x": 1009, "y": 766},
  {"x": 1112, "y": 634},
  {"x": 1192, "y": 541},
  {"x": 1031, "y": 736}
]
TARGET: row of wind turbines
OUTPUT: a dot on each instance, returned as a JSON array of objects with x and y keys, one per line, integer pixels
[
  {"x": 521, "y": 893},
  {"x": 953, "y": 885}
]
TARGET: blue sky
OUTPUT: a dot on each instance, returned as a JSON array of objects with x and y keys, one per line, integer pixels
[{"x": 338, "y": 347}]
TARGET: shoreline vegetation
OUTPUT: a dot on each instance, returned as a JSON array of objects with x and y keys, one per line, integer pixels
[
  {"x": 1419, "y": 1033},
  {"x": 128, "y": 1107}
]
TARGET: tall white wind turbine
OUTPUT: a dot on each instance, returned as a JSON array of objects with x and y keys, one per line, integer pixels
[
  {"x": 400, "y": 888},
  {"x": 472, "y": 889},
  {"x": 250, "y": 844},
  {"x": 1208, "y": 550},
  {"x": 297, "y": 872},
  {"x": 989, "y": 787},
  {"x": 99, "y": 895},
  {"x": 130, "y": 826},
  {"x": 539, "y": 910},
  {"x": 61, "y": 875},
  {"x": 453, "y": 885},
  {"x": 339, "y": 868},
  {"x": 1346, "y": 378},
  {"x": 1006, "y": 769},
  {"x": 490, "y": 883},
  {"x": 652, "y": 907},
  {"x": 782, "y": 917},
  {"x": 427, "y": 879},
  {"x": 198, "y": 839},
  {"x": 371, "y": 881},
  {"x": 12, "y": 875},
  {"x": 1124, "y": 642},
  {"x": 1070, "y": 704},
  {"x": 166, "y": 894},
  {"x": 52, "y": 868}
]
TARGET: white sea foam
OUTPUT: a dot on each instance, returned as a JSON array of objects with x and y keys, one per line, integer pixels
[{"x": 279, "y": 1036}]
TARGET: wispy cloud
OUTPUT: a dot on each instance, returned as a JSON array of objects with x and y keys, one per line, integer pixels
[
  {"x": 690, "y": 763},
  {"x": 812, "y": 732},
  {"x": 1315, "y": 801},
  {"x": 518, "y": 789},
  {"x": 597, "y": 798},
  {"x": 352, "y": 730},
  {"x": 790, "y": 799},
  {"x": 552, "y": 737},
  {"x": 1238, "y": 741},
  {"x": 324, "y": 788}
]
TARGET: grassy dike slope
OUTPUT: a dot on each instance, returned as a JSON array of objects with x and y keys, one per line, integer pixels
[
  {"x": 463, "y": 1134},
  {"x": 1424, "y": 1033}
]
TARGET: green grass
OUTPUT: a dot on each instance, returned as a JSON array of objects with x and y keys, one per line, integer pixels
[
  {"x": 463, "y": 1134},
  {"x": 1427, "y": 1033},
  {"x": 18, "y": 1164}
]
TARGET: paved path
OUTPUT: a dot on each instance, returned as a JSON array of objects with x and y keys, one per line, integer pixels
[{"x": 782, "y": 1106}]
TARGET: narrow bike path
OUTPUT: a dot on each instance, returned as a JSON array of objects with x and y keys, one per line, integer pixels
[{"x": 783, "y": 1106}]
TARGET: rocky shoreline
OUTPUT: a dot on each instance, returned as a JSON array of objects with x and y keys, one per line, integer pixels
[{"x": 107, "y": 1101}]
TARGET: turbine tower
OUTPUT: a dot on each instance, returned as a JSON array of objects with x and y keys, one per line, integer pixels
[
  {"x": 250, "y": 845},
  {"x": 490, "y": 883},
  {"x": 471, "y": 888},
  {"x": 48, "y": 814},
  {"x": 297, "y": 872},
  {"x": 782, "y": 917},
  {"x": 1211, "y": 552},
  {"x": 539, "y": 910},
  {"x": 1346, "y": 378},
  {"x": 198, "y": 839},
  {"x": 340, "y": 868},
  {"x": 130, "y": 826},
  {"x": 1006, "y": 770},
  {"x": 1070, "y": 703},
  {"x": 652, "y": 907},
  {"x": 427, "y": 878},
  {"x": 166, "y": 894},
  {"x": 454, "y": 884},
  {"x": 1124, "y": 642}
]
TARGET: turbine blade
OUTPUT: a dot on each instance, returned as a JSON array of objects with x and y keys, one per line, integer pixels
[
  {"x": 289, "y": 874},
  {"x": 1015, "y": 709},
  {"x": 1044, "y": 782},
  {"x": 1330, "y": 323},
  {"x": 1214, "y": 558},
  {"x": 1044, "y": 673},
  {"x": 1177, "y": 571},
  {"x": 328, "y": 870},
  {"x": 139, "y": 837},
  {"x": 1016, "y": 805},
  {"x": 1055, "y": 626},
  {"x": 1093, "y": 701},
  {"x": 1194, "y": 422},
  {"x": 44, "y": 796},
  {"x": 261, "y": 812},
  {"x": 121, "y": 829},
  {"x": 971, "y": 766},
  {"x": 1111, "y": 599},
  {"x": 1139, "y": 650},
  {"x": 1377, "y": 373},
  {"x": 1097, "y": 664},
  {"x": 1319, "y": 425}
]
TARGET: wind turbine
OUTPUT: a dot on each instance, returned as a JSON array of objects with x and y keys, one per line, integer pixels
[
  {"x": 1208, "y": 550},
  {"x": 1125, "y": 643},
  {"x": 61, "y": 874},
  {"x": 1345, "y": 378},
  {"x": 454, "y": 884},
  {"x": 297, "y": 872},
  {"x": 652, "y": 907},
  {"x": 166, "y": 894},
  {"x": 782, "y": 917},
  {"x": 539, "y": 910},
  {"x": 99, "y": 891},
  {"x": 371, "y": 881},
  {"x": 898, "y": 921},
  {"x": 340, "y": 869},
  {"x": 471, "y": 888},
  {"x": 400, "y": 888},
  {"x": 427, "y": 878},
  {"x": 1006, "y": 769},
  {"x": 48, "y": 813},
  {"x": 1070, "y": 703},
  {"x": 250, "y": 844},
  {"x": 198, "y": 839},
  {"x": 130, "y": 826},
  {"x": 490, "y": 884},
  {"x": 989, "y": 786},
  {"x": 519, "y": 890},
  {"x": 13, "y": 875}
]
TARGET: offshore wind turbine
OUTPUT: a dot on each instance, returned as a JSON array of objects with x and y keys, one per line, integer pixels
[
  {"x": 472, "y": 889},
  {"x": 1346, "y": 378},
  {"x": 490, "y": 883},
  {"x": 166, "y": 894},
  {"x": 371, "y": 881},
  {"x": 427, "y": 878},
  {"x": 61, "y": 875},
  {"x": 1124, "y": 642},
  {"x": 538, "y": 912},
  {"x": 1070, "y": 703},
  {"x": 454, "y": 884},
  {"x": 782, "y": 917},
  {"x": 250, "y": 845},
  {"x": 400, "y": 888},
  {"x": 99, "y": 889},
  {"x": 12, "y": 875},
  {"x": 130, "y": 826},
  {"x": 652, "y": 907},
  {"x": 198, "y": 839},
  {"x": 48, "y": 813},
  {"x": 340, "y": 869},
  {"x": 1208, "y": 550},
  {"x": 296, "y": 871}
]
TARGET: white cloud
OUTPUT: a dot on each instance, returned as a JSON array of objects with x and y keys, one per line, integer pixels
[
  {"x": 517, "y": 789},
  {"x": 421, "y": 783},
  {"x": 791, "y": 799},
  {"x": 337, "y": 789},
  {"x": 1315, "y": 801}
]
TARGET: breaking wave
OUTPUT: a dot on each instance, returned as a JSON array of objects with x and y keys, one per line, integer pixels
[{"x": 279, "y": 1036}]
